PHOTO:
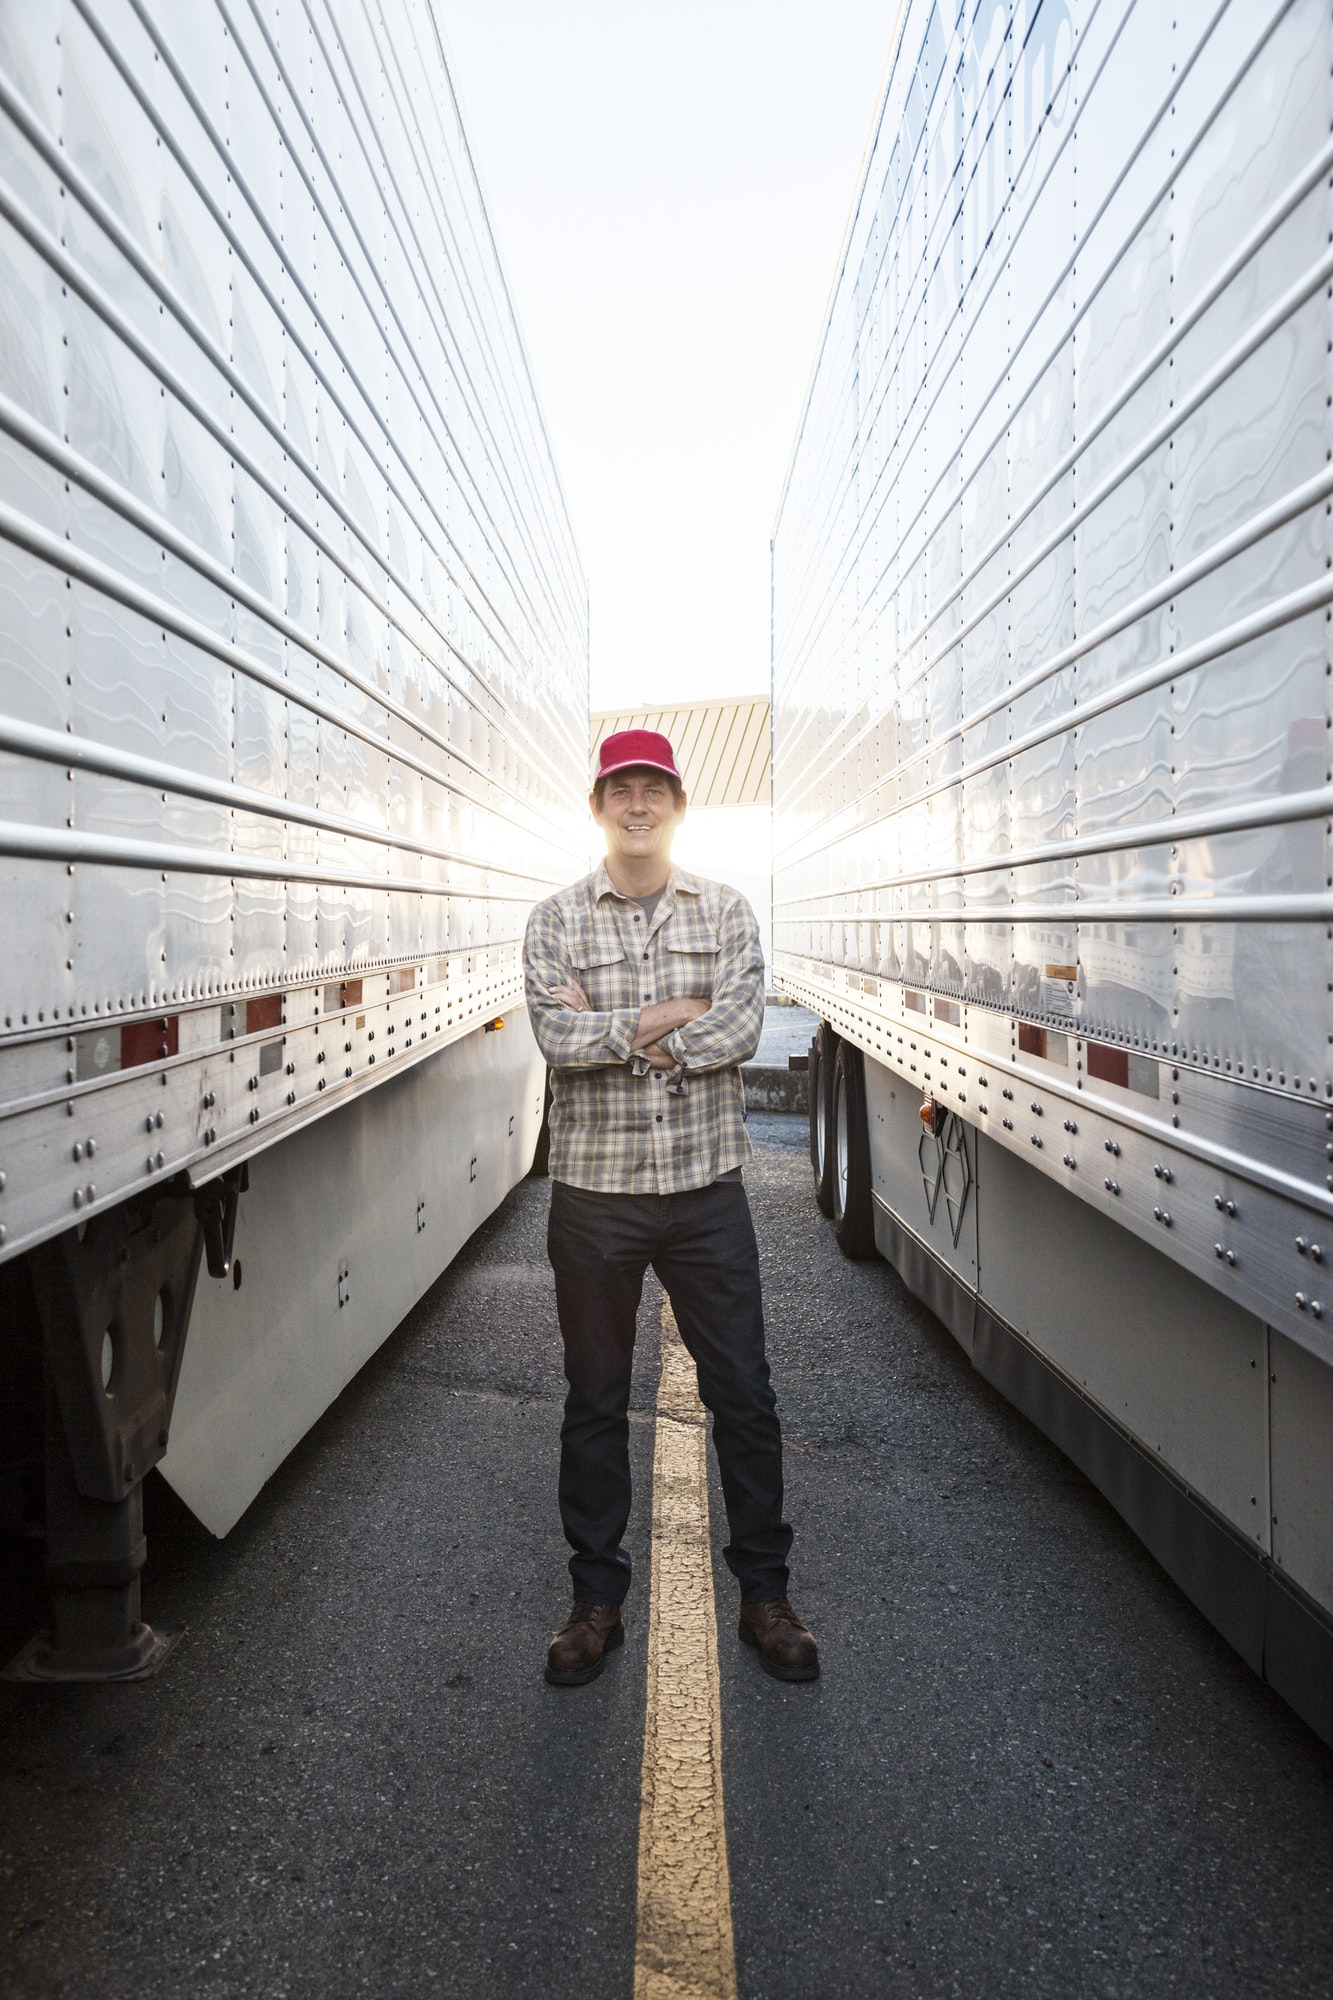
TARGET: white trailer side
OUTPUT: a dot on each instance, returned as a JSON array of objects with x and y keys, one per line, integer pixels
[
  {"x": 1052, "y": 769},
  {"x": 293, "y": 714}
]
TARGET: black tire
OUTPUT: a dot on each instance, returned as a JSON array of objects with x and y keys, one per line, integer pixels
[
  {"x": 823, "y": 1050},
  {"x": 849, "y": 1156}
]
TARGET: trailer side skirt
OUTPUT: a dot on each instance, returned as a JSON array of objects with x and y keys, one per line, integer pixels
[
  {"x": 1211, "y": 1454},
  {"x": 345, "y": 1225}
]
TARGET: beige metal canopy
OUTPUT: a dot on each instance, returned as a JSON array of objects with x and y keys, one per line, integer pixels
[{"x": 721, "y": 746}]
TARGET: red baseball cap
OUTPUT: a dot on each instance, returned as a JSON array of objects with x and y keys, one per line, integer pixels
[{"x": 626, "y": 747}]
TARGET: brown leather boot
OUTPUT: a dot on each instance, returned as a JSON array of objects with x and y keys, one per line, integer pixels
[
  {"x": 786, "y": 1648},
  {"x": 578, "y": 1651}
]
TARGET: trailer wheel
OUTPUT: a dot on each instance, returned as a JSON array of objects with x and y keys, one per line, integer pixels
[
  {"x": 853, "y": 1203},
  {"x": 820, "y": 1081}
]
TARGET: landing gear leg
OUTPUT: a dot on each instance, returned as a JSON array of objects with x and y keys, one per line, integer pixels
[
  {"x": 114, "y": 1303},
  {"x": 95, "y": 1550}
]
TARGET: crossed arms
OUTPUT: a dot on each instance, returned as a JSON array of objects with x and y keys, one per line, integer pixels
[
  {"x": 659, "y": 1017},
  {"x": 708, "y": 1032}
]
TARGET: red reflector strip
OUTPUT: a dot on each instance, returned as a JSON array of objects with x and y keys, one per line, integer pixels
[
  {"x": 1109, "y": 1064},
  {"x": 149, "y": 1041},
  {"x": 916, "y": 1001},
  {"x": 404, "y": 980},
  {"x": 264, "y": 1013},
  {"x": 351, "y": 992},
  {"x": 1031, "y": 1039}
]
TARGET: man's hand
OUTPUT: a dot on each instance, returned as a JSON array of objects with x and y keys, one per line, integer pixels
[
  {"x": 659, "y": 1057},
  {"x": 662, "y": 1017},
  {"x": 572, "y": 996}
]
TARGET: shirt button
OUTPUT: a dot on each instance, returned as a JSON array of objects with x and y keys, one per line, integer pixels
[
  {"x": 659, "y": 1117},
  {"x": 647, "y": 954}
]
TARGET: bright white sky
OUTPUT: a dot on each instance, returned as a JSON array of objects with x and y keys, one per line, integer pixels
[{"x": 669, "y": 186}]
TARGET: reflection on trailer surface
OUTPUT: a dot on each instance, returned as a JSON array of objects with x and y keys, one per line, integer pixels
[{"x": 1052, "y": 785}]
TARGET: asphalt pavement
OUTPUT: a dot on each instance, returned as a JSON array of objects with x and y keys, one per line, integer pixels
[{"x": 1029, "y": 1768}]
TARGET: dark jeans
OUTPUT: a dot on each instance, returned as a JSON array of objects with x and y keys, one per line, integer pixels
[{"x": 701, "y": 1245}]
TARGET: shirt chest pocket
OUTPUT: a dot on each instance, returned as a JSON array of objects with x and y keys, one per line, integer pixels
[
  {"x": 690, "y": 961},
  {"x": 600, "y": 968}
]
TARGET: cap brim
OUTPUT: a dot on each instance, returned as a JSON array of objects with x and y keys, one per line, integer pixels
[{"x": 637, "y": 764}]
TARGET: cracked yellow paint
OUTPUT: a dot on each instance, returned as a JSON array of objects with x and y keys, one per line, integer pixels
[{"x": 684, "y": 1948}]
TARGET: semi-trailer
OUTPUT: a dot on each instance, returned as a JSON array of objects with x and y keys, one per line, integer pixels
[
  {"x": 293, "y": 732},
  {"x": 1053, "y": 786}
]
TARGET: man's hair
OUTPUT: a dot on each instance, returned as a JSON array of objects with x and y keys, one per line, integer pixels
[{"x": 677, "y": 789}]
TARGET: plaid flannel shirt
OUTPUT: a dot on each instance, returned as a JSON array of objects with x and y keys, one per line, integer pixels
[{"x": 617, "y": 1125}]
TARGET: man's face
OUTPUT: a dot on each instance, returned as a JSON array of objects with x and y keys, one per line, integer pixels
[{"x": 638, "y": 815}]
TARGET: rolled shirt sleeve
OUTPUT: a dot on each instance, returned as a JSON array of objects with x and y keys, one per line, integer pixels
[
  {"x": 567, "y": 1038},
  {"x": 728, "y": 1034}
]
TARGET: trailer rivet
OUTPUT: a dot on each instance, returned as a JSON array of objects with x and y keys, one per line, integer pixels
[
  {"x": 78, "y": 1149},
  {"x": 1316, "y": 1309},
  {"x": 1317, "y": 1253},
  {"x": 3, "y": 1179},
  {"x": 1301, "y": 1301},
  {"x": 158, "y": 1121},
  {"x": 91, "y": 1192},
  {"x": 160, "y": 1158},
  {"x": 1218, "y": 1250}
]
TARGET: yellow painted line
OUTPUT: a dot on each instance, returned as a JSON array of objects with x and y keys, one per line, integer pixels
[{"x": 684, "y": 1948}]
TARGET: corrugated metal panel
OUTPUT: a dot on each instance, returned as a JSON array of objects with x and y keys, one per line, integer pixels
[
  {"x": 293, "y": 630},
  {"x": 1052, "y": 607},
  {"x": 721, "y": 746}
]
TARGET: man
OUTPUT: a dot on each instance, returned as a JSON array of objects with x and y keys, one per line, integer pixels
[{"x": 645, "y": 987}]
